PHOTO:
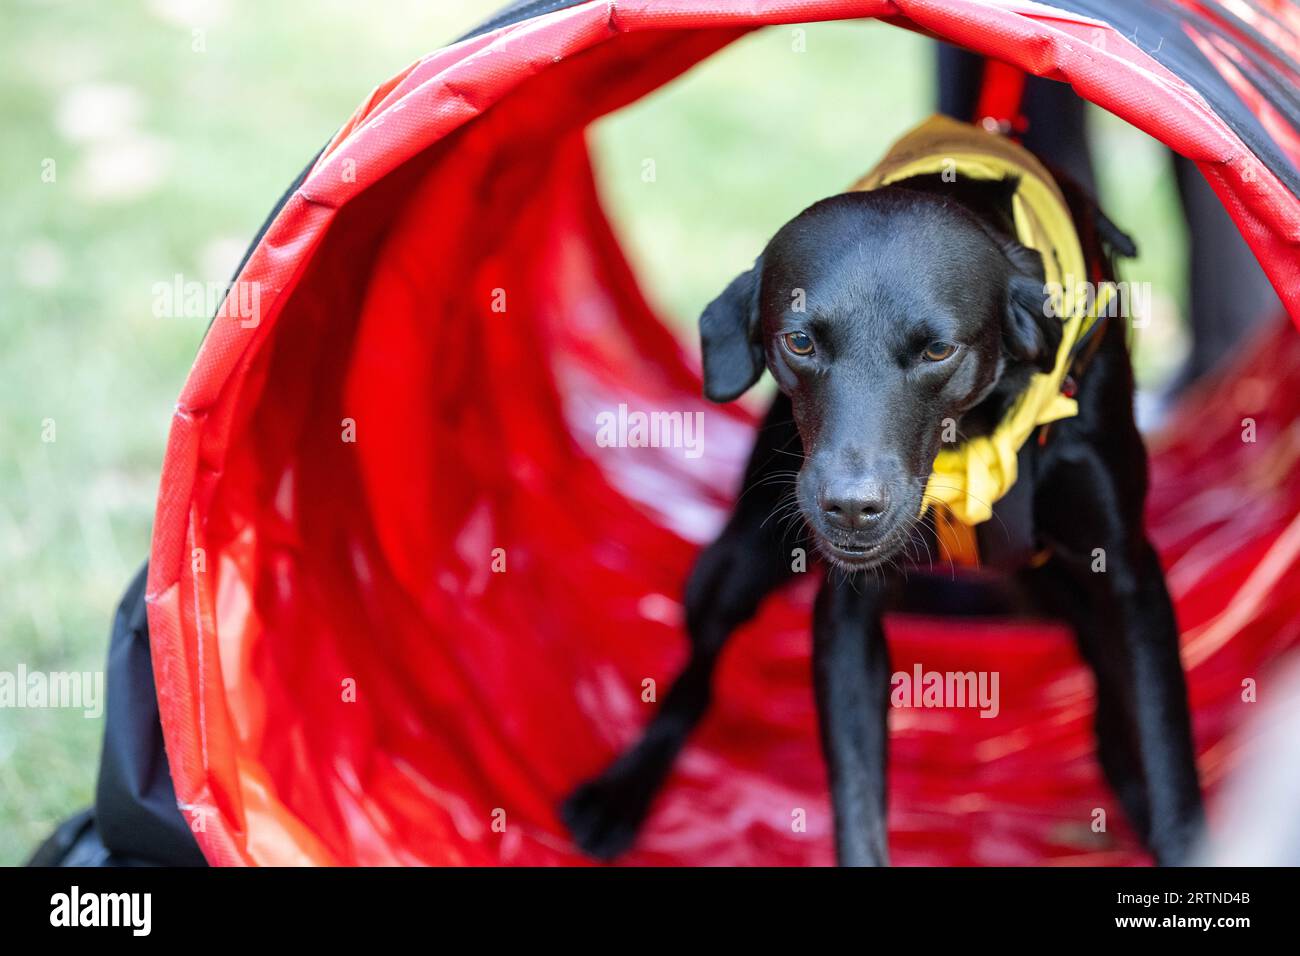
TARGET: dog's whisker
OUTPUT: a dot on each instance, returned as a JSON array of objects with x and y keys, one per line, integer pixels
[
  {"x": 783, "y": 506},
  {"x": 931, "y": 500},
  {"x": 927, "y": 519}
]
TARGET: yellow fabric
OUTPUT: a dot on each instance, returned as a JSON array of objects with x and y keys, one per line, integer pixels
[{"x": 970, "y": 477}]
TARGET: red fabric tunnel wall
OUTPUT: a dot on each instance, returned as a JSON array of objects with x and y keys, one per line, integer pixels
[{"x": 344, "y": 678}]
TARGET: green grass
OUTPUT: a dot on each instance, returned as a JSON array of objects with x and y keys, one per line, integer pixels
[{"x": 194, "y": 149}]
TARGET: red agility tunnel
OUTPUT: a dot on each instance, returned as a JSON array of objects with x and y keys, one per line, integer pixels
[{"x": 398, "y": 595}]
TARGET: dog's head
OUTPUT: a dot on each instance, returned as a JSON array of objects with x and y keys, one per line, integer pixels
[{"x": 883, "y": 315}]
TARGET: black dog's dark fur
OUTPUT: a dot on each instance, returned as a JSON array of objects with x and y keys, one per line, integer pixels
[{"x": 887, "y": 276}]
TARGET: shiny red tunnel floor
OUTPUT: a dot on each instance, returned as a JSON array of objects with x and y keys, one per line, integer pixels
[{"x": 479, "y": 693}]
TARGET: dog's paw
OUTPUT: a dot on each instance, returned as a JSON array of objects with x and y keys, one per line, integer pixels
[{"x": 604, "y": 815}]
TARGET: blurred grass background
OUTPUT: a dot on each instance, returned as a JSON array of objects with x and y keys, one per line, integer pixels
[{"x": 173, "y": 126}]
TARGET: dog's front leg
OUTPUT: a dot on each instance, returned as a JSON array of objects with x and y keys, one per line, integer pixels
[
  {"x": 1129, "y": 635},
  {"x": 750, "y": 559},
  {"x": 851, "y": 676},
  {"x": 1161, "y": 715}
]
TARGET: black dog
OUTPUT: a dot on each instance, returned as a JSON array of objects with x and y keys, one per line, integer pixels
[{"x": 921, "y": 305}]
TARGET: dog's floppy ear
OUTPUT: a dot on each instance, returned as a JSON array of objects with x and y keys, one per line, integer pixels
[
  {"x": 1030, "y": 330},
  {"x": 729, "y": 338}
]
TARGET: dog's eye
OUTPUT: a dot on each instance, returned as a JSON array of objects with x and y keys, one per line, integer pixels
[
  {"x": 798, "y": 342},
  {"x": 938, "y": 351}
]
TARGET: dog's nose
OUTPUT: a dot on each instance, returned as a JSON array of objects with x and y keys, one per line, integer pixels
[{"x": 855, "y": 508}]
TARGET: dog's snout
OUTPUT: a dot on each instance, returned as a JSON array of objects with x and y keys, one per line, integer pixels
[{"x": 854, "y": 507}]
